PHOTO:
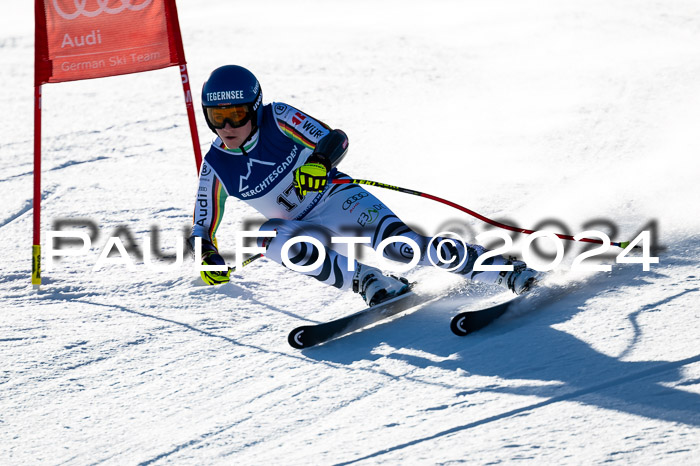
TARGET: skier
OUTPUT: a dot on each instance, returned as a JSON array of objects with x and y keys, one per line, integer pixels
[{"x": 279, "y": 159}]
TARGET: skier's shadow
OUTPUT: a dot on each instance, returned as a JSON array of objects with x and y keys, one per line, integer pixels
[{"x": 543, "y": 354}]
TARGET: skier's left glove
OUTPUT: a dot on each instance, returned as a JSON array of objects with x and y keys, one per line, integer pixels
[
  {"x": 313, "y": 175},
  {"x": 212, "y": 277}
]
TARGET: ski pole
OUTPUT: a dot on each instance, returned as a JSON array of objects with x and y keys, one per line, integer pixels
[
  {"x": 246, "y": 262},
  {"x": 621, "y": 244}
]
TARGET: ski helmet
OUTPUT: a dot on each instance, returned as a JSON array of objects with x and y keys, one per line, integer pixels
[{"x": 232, "y": 94}]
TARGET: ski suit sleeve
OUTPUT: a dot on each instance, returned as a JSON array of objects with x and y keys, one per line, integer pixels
[
  {"x": 209, "y": 206},
  {"x": 332, "y": 144}
]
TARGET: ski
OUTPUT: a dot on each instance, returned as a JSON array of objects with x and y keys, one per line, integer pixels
[
  {"x": 311, "y": 335},
  {"x": 467, "y": 322}
]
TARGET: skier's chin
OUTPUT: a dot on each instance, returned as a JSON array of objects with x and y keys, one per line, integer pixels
[{"x": 232, "y": 142}]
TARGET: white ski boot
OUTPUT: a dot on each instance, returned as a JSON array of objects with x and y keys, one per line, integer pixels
[
  {"x": 375, "y": 287},
  {"x": 520, "y": 279}
]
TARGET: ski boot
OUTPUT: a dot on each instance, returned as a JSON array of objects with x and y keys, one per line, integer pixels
[
  {"x": 520, "y": 279},
  {"x": 375, "y": 287}
]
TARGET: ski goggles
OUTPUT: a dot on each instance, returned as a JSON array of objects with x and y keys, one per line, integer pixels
[{"x": 235, "y": 115}]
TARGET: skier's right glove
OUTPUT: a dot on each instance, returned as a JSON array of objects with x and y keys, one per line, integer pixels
[
  {"x": 210, "y": 256},
  {"x": 211, "y": 277}
]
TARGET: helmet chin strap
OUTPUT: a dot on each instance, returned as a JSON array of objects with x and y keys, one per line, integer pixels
[{"x": 253, "y": 130}]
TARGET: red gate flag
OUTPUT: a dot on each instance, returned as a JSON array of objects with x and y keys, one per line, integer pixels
[{"x": 82, "y": 39}]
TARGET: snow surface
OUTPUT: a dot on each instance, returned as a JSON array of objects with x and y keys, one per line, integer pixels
[{"x": 583, "y": 112}]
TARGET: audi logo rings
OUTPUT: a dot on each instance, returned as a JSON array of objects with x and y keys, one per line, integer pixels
[{"x": 81, "y": 8}]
